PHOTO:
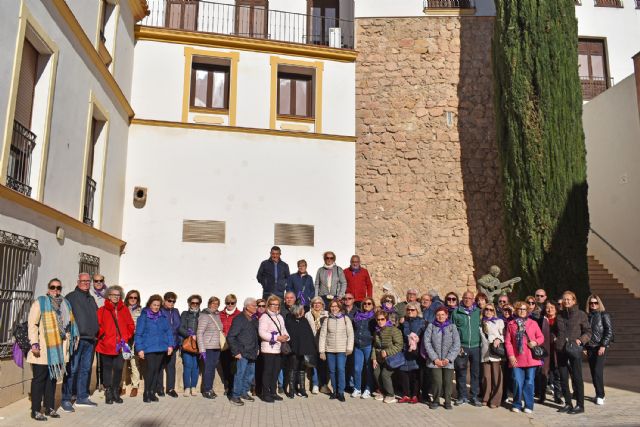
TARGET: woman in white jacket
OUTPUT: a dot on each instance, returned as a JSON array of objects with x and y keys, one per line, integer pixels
[
  {"x": 492, "y": 335},
  {"x": 336, "y": 343}
]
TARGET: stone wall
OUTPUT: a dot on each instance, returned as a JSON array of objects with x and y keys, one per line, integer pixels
[{"x": 428, "y": 193}]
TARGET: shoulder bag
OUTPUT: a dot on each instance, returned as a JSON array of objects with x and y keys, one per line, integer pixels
[
  {"x": 538, "y": 352},
  {"x": 223, "y": 339},
  {"x": 125, "y": 349},
  {"x": 285, "y": 348},
  {"x": 494, "y": 351}
]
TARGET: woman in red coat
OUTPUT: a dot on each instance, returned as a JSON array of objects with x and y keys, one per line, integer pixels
[
  {"x": 227, "y": 315},
  {"x": 116, "y": 329}
]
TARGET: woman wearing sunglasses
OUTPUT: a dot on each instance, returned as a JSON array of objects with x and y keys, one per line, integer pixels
[
  {"x": 132, "y": 366},
  {"x": 387, "y": 342},
  {"x": 451, "y": 302},
  {"x": 492, "y": 336},
  {"x": 330, "y": 282},
  {"x": 364, "y": 326},
  {"x": 227, "y": 315},
  {"x": 412, "y": 328},
  {"x": 596, "y": 348},
  {"x": 189, "y": 328}
]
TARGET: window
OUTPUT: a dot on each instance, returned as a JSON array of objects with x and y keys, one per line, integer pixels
[
  {"x": 88, "y": 264},
  {"x": 323, "y": 16},
  {"x": 182, "y": 14},
  {"x": 592, "y": 63},
  {"x": 295, "y": 95},
  {"x": 209, "y": 86},
  {"x": 252, "y": 18},
  {"x": 96, "y": 133},
  {"x": 107, "y": 32},
  {"x": 17, "y": 283}
]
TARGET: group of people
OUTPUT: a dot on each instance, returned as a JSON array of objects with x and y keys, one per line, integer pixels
[{"x": 329, "y": 330}]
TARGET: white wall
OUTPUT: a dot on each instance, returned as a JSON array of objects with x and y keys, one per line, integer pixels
[
  {"x": 250, "y": 181},
  {"x": 161, "y": 65},
  {"x": 408, "y": 8},
  {"x": 621, "y": 28},
  {"x": 612, "y": 136}
]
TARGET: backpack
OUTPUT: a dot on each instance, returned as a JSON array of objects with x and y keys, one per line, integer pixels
[{"x": 21, "y": 336}]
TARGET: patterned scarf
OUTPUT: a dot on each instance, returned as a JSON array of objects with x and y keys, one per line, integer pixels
[
  {"x": 520, "y": 333},
  {"x": 363, "y": 315},
  {"x": 470, "y": 309},
  {"x": 442, "y": 325},
  {"x": 50, "y": 321}
]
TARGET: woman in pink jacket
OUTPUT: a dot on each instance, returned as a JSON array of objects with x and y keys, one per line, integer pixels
[
  {"x": 272, "y": 332},
  {"x": 522, "y": 335}
]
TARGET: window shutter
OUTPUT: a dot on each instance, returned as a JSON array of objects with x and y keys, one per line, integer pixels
[
  {"x": 203, "y": 231},
  {"x": 293, "y": 234},
  {"x": 26, "y": 84}
]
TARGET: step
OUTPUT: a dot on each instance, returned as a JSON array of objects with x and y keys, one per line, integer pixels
[{"x": 607, "y": 290}]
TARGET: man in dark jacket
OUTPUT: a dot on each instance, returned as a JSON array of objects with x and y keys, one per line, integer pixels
[
  {"x": 244, "y": 345},
  {"x": 79, "y": 369},
  {"x": 273, "y": 274}
]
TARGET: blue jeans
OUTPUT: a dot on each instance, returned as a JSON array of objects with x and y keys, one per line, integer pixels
[
  {"x": 337, "y": 362},
  {"x": 362, "y": 360},
  {"x": 78, "y": 370},
  {"x": 245, "y": 372},
  {"x": 523, "y": 387},
  {"x": 209, "y": 374},
  {"x": 190, "y": 370}
]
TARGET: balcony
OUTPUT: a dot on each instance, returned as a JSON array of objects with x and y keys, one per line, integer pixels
[
  {"x": 255, "y": 22},
  {"x": 89, "y": 196},
  {"x": 592, "y": 86},
  {"x": 609, "y": 3},
  {"x": 448, "y": 4},
  {"x": 23, "y": 142}
]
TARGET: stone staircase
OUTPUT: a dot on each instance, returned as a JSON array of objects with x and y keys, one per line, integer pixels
[{"x": 624, "y": 308}]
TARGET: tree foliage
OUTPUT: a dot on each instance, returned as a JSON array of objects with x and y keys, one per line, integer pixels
[{"x": 541, "y": 143}]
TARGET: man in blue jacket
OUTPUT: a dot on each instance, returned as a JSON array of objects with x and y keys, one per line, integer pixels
[{"x": 273, "y": 274}]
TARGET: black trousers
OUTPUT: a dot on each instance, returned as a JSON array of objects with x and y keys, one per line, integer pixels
[
  {"x": 507, "y": 386},
  {"x": 42, "y": 385},
  {"x": 270, "y": 374},
  {"x": 409, "y": 381},
  {"x": 168, "y": 365},
  {"x": 425, "y": 381},
  {"x": 227, "y": 364},
  {"x": 541, "y": 381},
  {"x": 596, "y": 366},
  {"x": 111, "y": 370},
  {"x": 571, "y": 366},
  {"x": 153, "y": 371}
]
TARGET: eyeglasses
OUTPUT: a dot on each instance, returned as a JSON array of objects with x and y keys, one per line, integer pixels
[
  {"x": 132, "y": 297},
  {"x": 411, "y": 309},
  {"x": 230, "y": 303},
  {"x": 193, "y": 302},
  {"x": 84, "y": 281},
  {"x": 115, "y": 295},
  {"x": 388, "y": 300},
  {"x": 367, "y": 303},
  {"x": 98, "y": 281},
  {"x": 590, "y": 302},
  {"x": 55, "y": 288},
  {"x": 172, "y": 301},
  {"x": 452, "y": 299},
  {"x": 502, "y": 302},
  {"x": 540, "y": 296},
  {"x": 382, "y": 319},
  {"x": 489, "y": 309},
  {"x": 261, "y": 305},
  {"x": 274, "y": 304},
  {"x": 329, "y": 257},
  {"x": 531, "y": 302}
]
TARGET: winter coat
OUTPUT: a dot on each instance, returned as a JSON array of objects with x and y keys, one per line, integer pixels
[
  {"x": 188, "y": 323},
  {"x": 601, "y": 329},
  {"x": 388, "y": 339},
  {"x": 359, "y": 283},
  {"x": 243, "y": 337},
  {"x": 441, "y": 345},
  {"x": 208, "y": 333},
  {"x": 336, "y": 335},
  {"x": 415, "y": 325},
  {"x": 226, "y": 320},
  {"x": 173, "y": 317},
  {"x": 153, "y": 336},
  {"x": 468, "y": 326},
  {"x": 491, "y": 331},
  {"x": 430, "y": 313},
  {"x": 525, "y": 359},
  {"x": 37, "y": 332},
  {"x": 297, "y": 283},
  {"x": 108, "y": 335},
  {"x": 338, "y": 285},
  {"x": 302, "y": 340},
  {"x": 573, "y": 324},
  {"x": 266, "y": 277},
  {"x": 363, "y": 332},
  {"x": 271, "y": 322},
  {"x": 85, "y": 310}
]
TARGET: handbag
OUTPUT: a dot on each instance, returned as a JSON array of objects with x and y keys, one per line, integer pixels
[
  {"x": 573, "y": 349},
  {"x": 285, "y": 348},
  {"x": 494, "y": 351},
  {"x": 190, "y": 345},
  {"x": 396, "y": 360},
  {"x": 538, "y": 352},
  {"x": 125, "y": 350},
  {"x": 224, "y": 345}
]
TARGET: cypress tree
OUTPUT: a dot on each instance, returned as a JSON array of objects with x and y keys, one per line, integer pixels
[{"x": 541, "y": 143}]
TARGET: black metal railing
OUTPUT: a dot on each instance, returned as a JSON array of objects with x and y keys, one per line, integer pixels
[
  {"x": 448, "y": 4},
  {"x": 250, "y": 21},
  {"x": 614, "y": 249},
  {"x": 592, "y": 86},
  {"x": 608, "y": 3},
  {"x": 89, "y": 196},
  {"x": 19, "y": 170}
]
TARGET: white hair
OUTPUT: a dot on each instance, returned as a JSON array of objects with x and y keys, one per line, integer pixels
[{"x": 249, "y": 301}]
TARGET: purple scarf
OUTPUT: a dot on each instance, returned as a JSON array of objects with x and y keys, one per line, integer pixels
[
  {"x": 363, "y": 315},
  {"x": 301, "y": 298},
  {"x": 123, "y": 346},
  {"x": 388, "y": 310},
  {"x": 451, "y": 309},
  {"x": 153, "y": 316},
  {"x": 386, "y": 325},
  {"x": 489, "y": 319},
  {"x": 442, "y": 325},
  {"x": 272, "y": 341},
  {"x": 100, "y": 292},
  {"x": 470, "y": 309}
]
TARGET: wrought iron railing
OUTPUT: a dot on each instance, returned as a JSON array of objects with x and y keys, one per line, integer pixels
[
  {"x": 250, "y": 21},
  {"x": 448, "y": 4},
  {"x": 19, "y": 170},
  {"x": 608, "y": 3},
  {"x": 592, "y": 86},
  {"x": 614, "y": 249},
  {"x": 89, "y": 196}
]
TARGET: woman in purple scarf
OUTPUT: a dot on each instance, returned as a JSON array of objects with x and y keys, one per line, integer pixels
[{"x": 363, "y": 331}]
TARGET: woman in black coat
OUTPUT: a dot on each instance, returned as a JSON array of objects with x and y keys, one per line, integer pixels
[
  {"x": 302, "y": 343},
  {"x": 601, "y": 337}
]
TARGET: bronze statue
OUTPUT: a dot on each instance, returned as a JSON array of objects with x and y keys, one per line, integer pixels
[{"x": 491, "y": 285}]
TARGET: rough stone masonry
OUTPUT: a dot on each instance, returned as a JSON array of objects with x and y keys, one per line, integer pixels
[{"x": 428, "y": 193}]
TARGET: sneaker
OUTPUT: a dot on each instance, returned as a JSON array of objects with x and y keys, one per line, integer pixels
[
  {"x": 404, "y": 399},
  {"x": 366, "y": 394},
  {"x": 414, "y": 400},
  {"x": 86, "y": 402},
  {"x": 528, "y": 411},
  {"x": 390, "y": 399},
  {"x": 379, "y": 397},
  {"x": 356, "y": 393},
  {"x": 516, "y": 410},
  {"x": 247, "y": 398},
  {"x": 599, "y": 400},
  {"x": 236, "y": 401},
  {"x": 315, "y": 390},
  {"x": 187, "y": 392},
  {"x": 461, "y": 402},
  {"x": 67, "y": 406}
]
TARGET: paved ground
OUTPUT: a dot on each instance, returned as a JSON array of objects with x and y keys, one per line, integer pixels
[{"x": 620, "y": 410}]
